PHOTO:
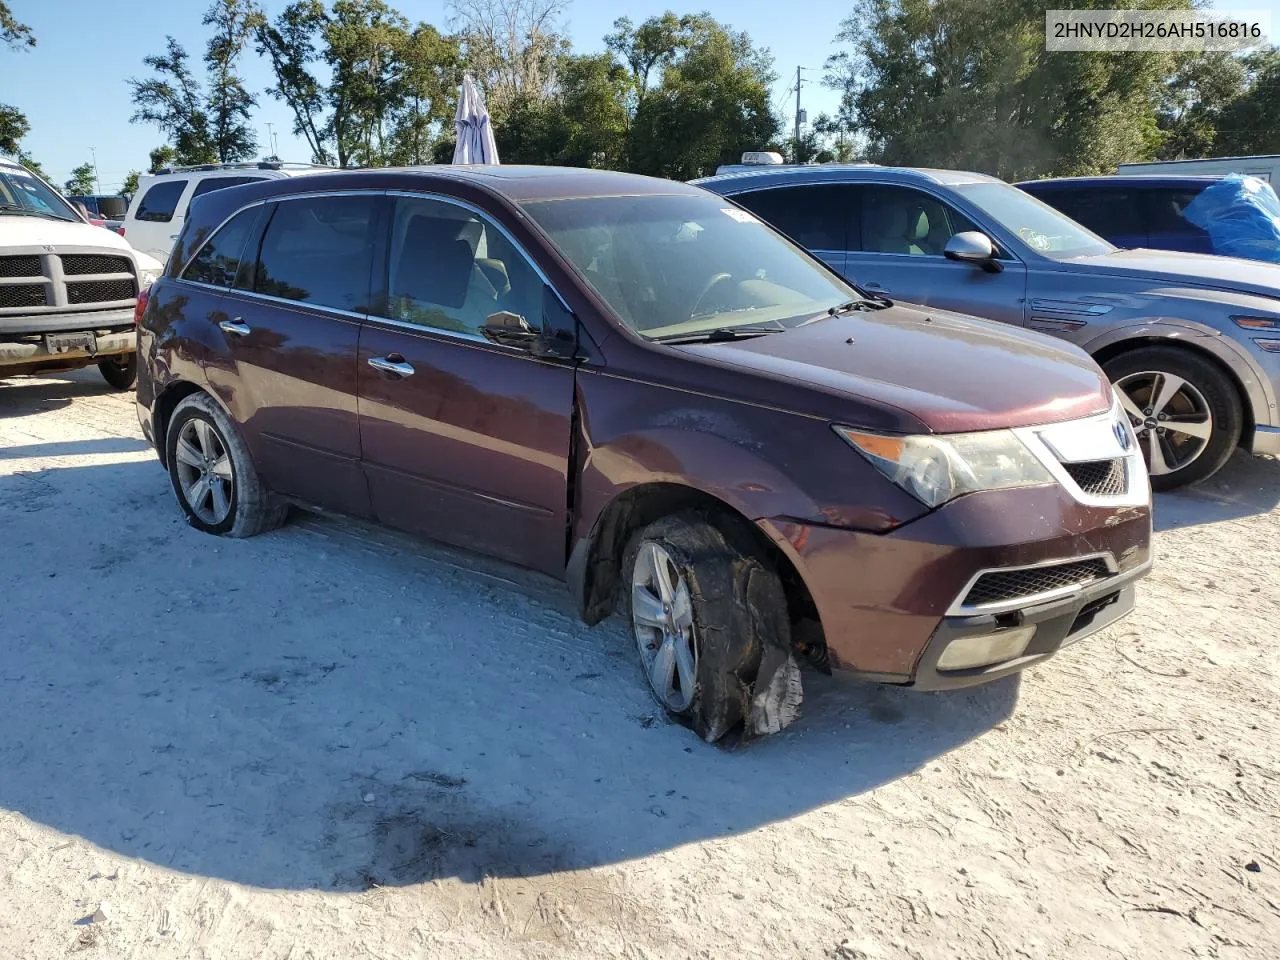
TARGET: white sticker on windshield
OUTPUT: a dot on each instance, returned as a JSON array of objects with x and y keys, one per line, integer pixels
[{"x": 740, "y": 215}]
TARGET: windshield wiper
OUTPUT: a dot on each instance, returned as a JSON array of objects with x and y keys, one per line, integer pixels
[
  {"x": 13, "y": 208},
  {"x": 720, "y": 334},
  {"x": 868, "y": 302}
]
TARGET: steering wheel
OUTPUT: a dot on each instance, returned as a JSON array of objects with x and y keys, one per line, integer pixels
[{"x": 710, "y": 285}]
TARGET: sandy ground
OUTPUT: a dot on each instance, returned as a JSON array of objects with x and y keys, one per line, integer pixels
[{"x": 332, "y": 741}]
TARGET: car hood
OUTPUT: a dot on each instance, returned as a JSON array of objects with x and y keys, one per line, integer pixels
[
  {"x": 35, "y": 231},
  {"x": 950, "y": 372},
  {"x": 1197, "y": 269}
]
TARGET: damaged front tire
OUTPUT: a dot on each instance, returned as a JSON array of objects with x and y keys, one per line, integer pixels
[{"x": 710, "y": 620}]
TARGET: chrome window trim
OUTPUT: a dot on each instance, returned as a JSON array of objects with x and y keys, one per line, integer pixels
[
  {"x": 959, "y": 608},
  {"x": 300, "y": 304},
  {"x": 467, "y": 340}
]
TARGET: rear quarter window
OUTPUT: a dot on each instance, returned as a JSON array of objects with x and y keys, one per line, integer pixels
[
  {"x": 159, "y": 202},
  {"x": 219, "y": 259},
  {"x": 210, "y": 184}
]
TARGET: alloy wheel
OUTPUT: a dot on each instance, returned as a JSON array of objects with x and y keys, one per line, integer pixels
[
  {"x": 1170, "y": 416},
  {"x": 204, "y": 471},
  {"x": 662, "y": 619}
]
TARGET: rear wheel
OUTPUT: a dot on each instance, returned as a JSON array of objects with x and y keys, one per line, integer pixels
[
  {"x": 710, "y": 621},
  {"x": 213, "y": 475},
  {"x": 1186, "y": 412},
  {"x": 120, "y": 372}
]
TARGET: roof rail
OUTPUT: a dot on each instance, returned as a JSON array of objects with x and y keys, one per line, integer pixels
[{"x": 254, "y": 165}]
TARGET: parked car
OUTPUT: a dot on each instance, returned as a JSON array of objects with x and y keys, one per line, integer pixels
[
  {"x": 102, "y": 206},
  {"x": 1131, "y": 211},
  {"x": 68, "y": 290},
  {"x": 159, "y": 207},
  {"x": 1266, "y": 166},
  {"x": 632, "y": 385},
  {"x": 1191, "y": 342}
]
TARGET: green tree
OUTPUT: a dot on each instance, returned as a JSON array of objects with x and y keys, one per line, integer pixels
[
  {"x": 82, "y": 180},
  {"x": 290, "y": 45},
  {"x": 512, "y": 48},
  {"x": 13, "y": 33},
  {"x": 173, "y": 100},
  {"x": 228, "y": 103},
  {"x": 161, "y": 158},
  {"x": 648, "y": 48},
  {"x": 130, "y": 185},
  {"x": 1192, "y": 100},
  {"x": 1250, "y": 123},
  {"x": 957, "y": 83},
  {"x": 30, "y": 163},
  {"x": 13, "y": 123},
  {"x": 426, "y": 95},
  {"x": 711, "y": 103}
]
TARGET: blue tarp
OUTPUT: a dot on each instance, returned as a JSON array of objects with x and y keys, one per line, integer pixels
[{"x": 1242, "y": 217}]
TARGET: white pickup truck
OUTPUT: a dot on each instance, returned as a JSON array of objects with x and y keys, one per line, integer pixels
[{"x": 67, "y": 288}]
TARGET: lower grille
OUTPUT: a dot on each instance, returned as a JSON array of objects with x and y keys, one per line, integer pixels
[
  {"x": 1003, "y": 586},
  {"x": 22, "y": 295},
  {"x": 22, "y": 266},
  {"x": 79, "y": 264},
  {"x": 99, "y": 291},
  {"x": 1099, "y": 478}
]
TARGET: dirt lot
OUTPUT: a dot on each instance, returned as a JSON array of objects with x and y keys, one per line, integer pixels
[{"x": 333, "y": 741}]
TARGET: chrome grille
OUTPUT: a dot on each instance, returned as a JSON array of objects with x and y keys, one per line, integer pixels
[
  {"x": 22, "y": 295},
  {"x": 79, "y": 264},
  {"x": 1100, "y": 478},
  {"x": 99, "y": 291},
  {"x": 1003, "y": 586},
  {"x": 23, "y": 266}
]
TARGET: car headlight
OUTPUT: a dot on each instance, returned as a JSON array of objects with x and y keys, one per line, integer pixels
[
  {"x": 938, "y": 468},
  {"x": 147, "y": 277}
]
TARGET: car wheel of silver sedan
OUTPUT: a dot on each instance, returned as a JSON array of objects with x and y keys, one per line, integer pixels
[
  {"x": 213, "y": 475},
  {"x": 709, "y": 617},
  {"x": 1185, "y": 411}
]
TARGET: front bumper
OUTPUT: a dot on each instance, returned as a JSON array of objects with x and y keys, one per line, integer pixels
[
  {"x": 31, "y": 355},
  {"x": 885, "y": 601}
]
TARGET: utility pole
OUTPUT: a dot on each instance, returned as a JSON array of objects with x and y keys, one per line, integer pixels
[
  {"x": 97, "y": 184},
  {"x": 795, "y": 150},
  {"x": 270, "y": 139}
]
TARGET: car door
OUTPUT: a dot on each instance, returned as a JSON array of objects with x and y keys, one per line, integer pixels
[
  {"x": 899, "y": 253},
  {"x": 156, "y": 223},
  {"x": 816, "y": 216},
  {"x": 464, "y": 440},
  {"x": 289, "y": 328}
]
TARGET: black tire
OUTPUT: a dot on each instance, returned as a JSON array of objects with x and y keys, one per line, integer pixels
[
  {"x": 253, "y": 508},
  {"x": 746, "y": 674},
  {"x": 120, "y": 372},
  {"x": 1219, "y": 393}
]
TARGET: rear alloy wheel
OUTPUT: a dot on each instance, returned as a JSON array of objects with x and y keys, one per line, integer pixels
[
  {"x": 709, "y": 618},
  {"x": 120, "y": 372},
  {"x": 213, "y": 475},
  {"x": 1185, "y": 412}
]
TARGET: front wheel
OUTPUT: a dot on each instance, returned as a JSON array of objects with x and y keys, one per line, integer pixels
[
  {"x": 213, "y": 475},
  {"x": 710, "y": 621},
  {"x": 120, "y": 372},
  {"x": 1186, "y": 412}
]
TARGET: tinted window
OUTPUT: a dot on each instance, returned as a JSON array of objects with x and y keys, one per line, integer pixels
[
  {"x": 219, "y": 259},
  {"x": 1164, "y": 206},
  {"x": 905, "y": 221},
  {"x": 815, "y": 217},
  {"x": 688, "y": 263},
  {"x": 1107, "y": 211},
  {"x": 319, "y": 250},
  {"x": 160, "y": 201},
  {"x": 210, "y": 184},
  {"x": 451, "y": 270},
  {"x": 21, "y": 194}
]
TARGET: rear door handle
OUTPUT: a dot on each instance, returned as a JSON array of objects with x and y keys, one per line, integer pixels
[
  {"x": 393, "y": 366},
  {"x": 236, "y": 327}
]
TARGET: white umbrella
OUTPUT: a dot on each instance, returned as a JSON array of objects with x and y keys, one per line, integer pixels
[{"x": 475, "y": 135}]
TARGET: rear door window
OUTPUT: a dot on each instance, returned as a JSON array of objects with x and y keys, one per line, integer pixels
[
  {"x": 816, "y": 217},
  {"x": 1164, "y": 206},
  {"x": 159, "y": 203},
  {"x": 319, "y": 250},
  {"x": 1110, "y": 212},
  {"x": 220, "y": 257},
  {"x": 210, "y": 184}
]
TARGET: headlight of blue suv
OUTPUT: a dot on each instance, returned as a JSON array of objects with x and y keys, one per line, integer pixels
[{"x": 938, "y": 468}]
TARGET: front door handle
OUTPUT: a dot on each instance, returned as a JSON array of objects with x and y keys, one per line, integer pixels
[
  {"x": 236, "y": 327},
  {"x": 393, "y": 366}
]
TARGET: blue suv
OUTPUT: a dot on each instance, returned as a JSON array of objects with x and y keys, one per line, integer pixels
[{"x": 1130, "y": 212}]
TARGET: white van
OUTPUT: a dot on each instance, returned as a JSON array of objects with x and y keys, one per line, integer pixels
[
  {"x": 159, "y": 206},
  {"x": 1266, "y": 167},
  {"x": 68, "y": 289}
]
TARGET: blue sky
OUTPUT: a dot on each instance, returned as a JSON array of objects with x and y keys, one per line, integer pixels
[{"x": 73, "y": 88}]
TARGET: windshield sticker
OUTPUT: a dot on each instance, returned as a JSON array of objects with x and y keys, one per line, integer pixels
[{"x": 733, "y": 213}]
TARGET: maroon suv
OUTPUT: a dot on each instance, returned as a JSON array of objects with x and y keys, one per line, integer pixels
[{"x": 638, "y": 387}]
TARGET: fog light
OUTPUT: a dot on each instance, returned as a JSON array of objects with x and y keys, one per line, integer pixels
[{"x": 968, "y": 652}]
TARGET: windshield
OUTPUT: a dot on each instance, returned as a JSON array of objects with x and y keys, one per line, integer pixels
[
  {"x": 25, "y": 195},
  {"x": 673, "y": 265},
  {"x": 1042, "y": 228}
]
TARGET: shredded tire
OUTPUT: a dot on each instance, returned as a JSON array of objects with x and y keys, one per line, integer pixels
[{"x": 747, "y": 676}]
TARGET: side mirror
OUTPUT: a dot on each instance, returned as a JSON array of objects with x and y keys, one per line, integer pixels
[
  {"x": 509, "y": 329},
  {"x": 973, "y": 247}
]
